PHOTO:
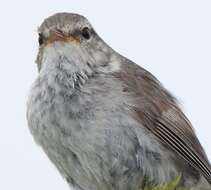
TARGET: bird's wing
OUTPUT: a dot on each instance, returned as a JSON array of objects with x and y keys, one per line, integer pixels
[{"x": 157, "y": 110}]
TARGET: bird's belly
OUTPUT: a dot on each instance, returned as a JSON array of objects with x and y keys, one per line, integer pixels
[{"x": 94, "y": 148}]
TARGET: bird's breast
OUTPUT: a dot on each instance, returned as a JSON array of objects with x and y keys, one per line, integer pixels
[{"x": 89, "y": 134}]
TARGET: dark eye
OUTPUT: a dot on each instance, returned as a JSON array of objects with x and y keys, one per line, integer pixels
[
  {"x": 86, "y": 33},
  {"x": 40, "y": 39}
]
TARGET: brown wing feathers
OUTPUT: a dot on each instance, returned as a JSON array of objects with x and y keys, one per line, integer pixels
[
  {"x": 158, "y": 111},
  {"x": 183, "y": 148}
]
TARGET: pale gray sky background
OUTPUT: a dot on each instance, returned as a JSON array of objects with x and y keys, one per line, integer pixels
[{"x": 172, "y": 39}]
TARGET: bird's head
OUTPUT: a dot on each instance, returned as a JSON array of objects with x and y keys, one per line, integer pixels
[{"x": 70, "y": 39}]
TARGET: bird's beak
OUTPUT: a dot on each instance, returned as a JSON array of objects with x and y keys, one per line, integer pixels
[{"x": 59, "y": 36}]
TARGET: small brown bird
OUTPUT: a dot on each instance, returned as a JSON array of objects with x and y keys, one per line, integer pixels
[{"x": 105, "y": 122}]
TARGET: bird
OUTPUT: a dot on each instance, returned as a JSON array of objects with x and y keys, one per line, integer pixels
[{"x": 105, "y": 122}]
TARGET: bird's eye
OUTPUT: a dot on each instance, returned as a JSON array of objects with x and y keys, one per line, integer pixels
[
  {"x": 40, "y": 39},
  {"x": 86, "y": 33}
]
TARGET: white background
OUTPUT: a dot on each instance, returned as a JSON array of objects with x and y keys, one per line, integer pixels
[{"x": 172, "y": 39}]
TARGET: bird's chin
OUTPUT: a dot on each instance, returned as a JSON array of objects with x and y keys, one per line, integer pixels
[{"x": 62, "y": 54}]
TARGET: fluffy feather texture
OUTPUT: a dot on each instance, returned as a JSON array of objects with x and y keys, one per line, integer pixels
[{"x": 105, "y": 122}]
